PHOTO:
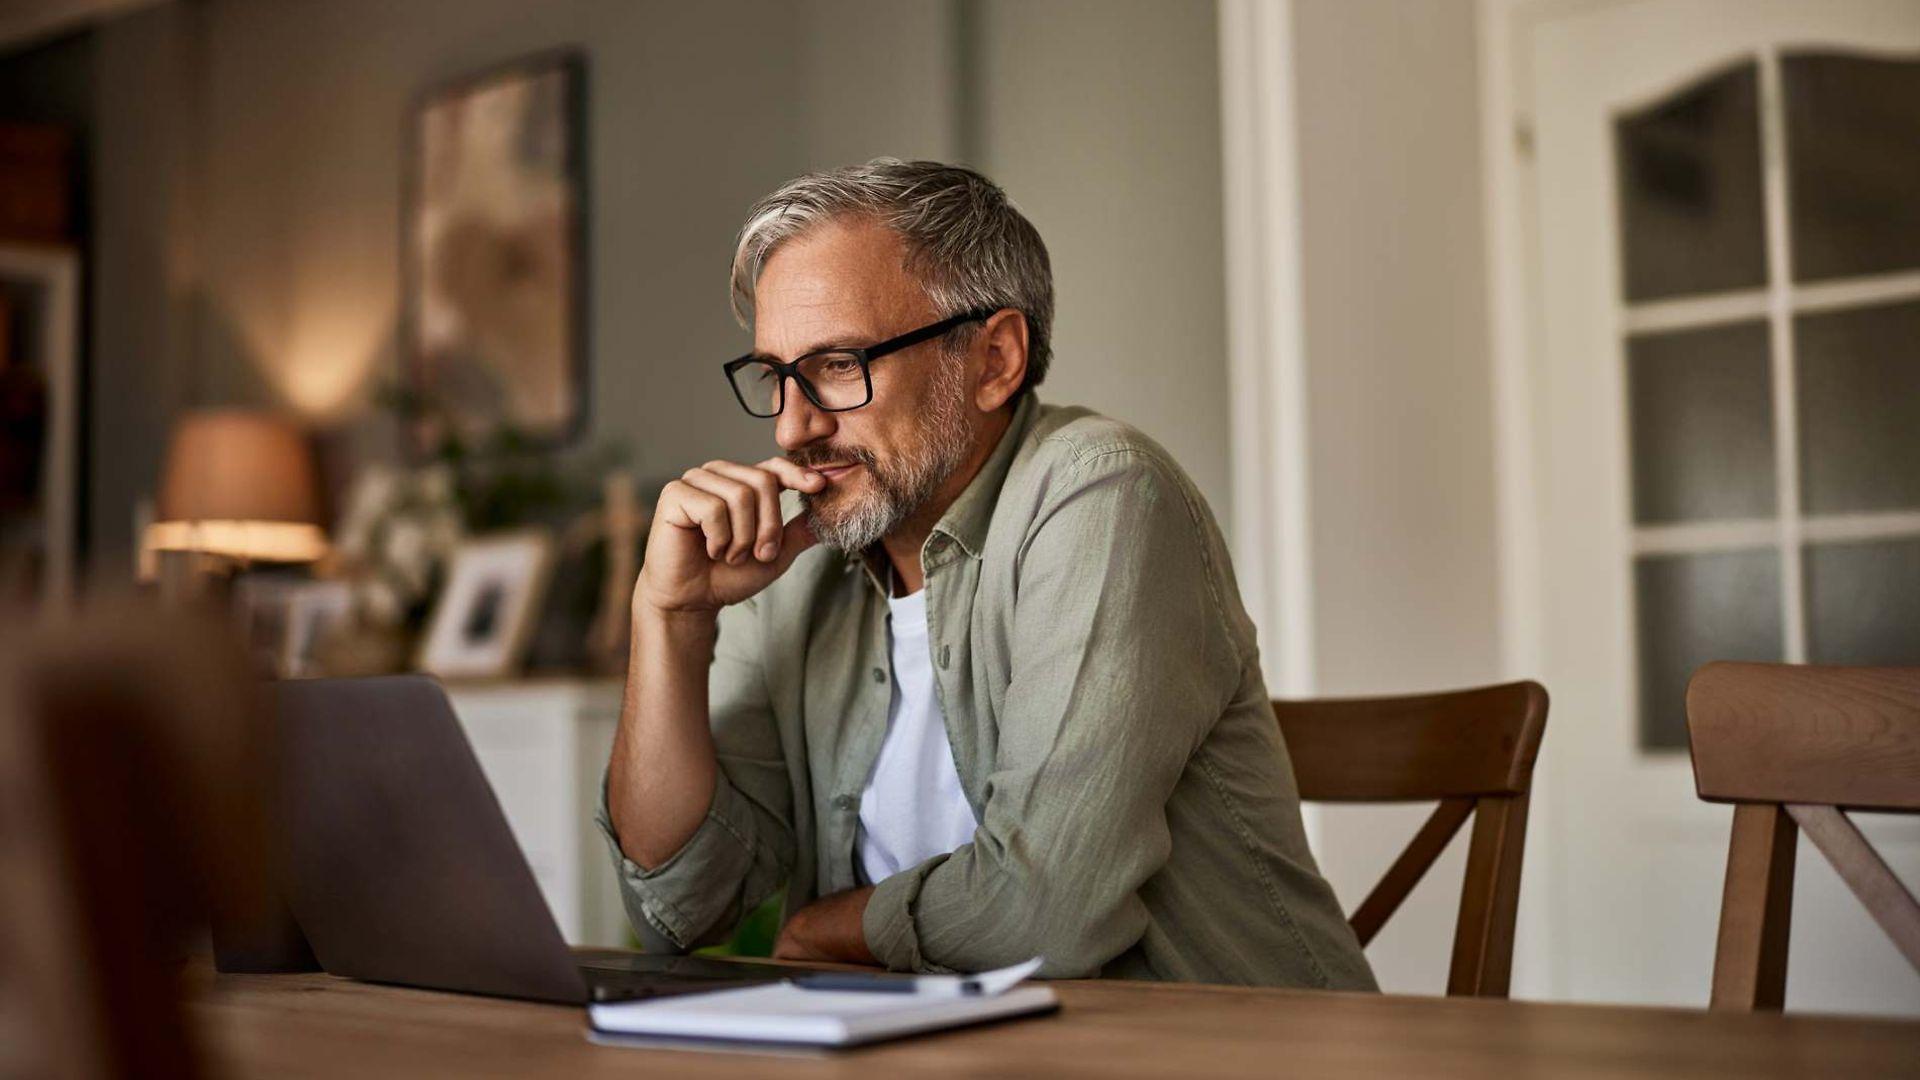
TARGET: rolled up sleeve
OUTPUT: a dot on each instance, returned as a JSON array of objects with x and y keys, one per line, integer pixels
[
  {"x": 1123, "y": 660},
  {"x": 744, "y": 848}
]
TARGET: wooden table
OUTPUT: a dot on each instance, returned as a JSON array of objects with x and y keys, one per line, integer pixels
[{"x": 319, "y": 1025}]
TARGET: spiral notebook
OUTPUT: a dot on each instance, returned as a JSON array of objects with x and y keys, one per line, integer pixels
[{"x": 822, "y": 1011}]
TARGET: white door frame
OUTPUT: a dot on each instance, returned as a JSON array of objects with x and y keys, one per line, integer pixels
[
  {"x": 1510, "y": 212},
  {"x": 1265, "y": 341}
]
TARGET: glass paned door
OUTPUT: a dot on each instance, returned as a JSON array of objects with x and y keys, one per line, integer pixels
[
  {"x": 1853, "y": 163},
  {"x": 1769, "y": 224},
  {"x": 1692, "y": 449}
]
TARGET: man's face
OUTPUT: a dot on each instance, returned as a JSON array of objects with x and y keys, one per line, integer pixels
[{"x": 846, "y": 284}]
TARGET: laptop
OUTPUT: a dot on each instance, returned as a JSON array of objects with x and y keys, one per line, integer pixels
[{"x": 399, "y": 866}]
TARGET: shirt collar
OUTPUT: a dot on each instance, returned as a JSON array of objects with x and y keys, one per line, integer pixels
[{"x": 967, "y": 519}]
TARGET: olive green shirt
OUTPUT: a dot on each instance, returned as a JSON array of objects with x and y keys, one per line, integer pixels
[{"x": 1102, "y": 692}]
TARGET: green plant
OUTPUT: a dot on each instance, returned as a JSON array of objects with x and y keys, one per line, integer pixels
[{"x": 756, "y": 933}]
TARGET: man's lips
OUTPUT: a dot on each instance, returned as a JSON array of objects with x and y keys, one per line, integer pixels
[{"x": 835, "y": 472}]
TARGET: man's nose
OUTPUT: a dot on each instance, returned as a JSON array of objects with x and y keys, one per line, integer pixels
[{"x": 800, "y": 422}]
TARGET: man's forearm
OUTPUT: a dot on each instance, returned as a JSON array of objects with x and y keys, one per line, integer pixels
[
  {"x": 830, "y": 928},
  {"x": 661, "y": 775}
]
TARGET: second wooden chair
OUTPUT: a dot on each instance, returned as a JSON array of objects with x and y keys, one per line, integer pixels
[{"x": 1793, "y": 747}]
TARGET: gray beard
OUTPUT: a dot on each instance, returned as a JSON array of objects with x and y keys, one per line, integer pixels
[{"x": 901, "y": 488}]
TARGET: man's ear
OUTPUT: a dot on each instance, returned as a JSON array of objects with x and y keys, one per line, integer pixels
[{"x": 1003, "y": 347}]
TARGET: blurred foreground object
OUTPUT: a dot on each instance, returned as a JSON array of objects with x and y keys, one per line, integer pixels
[
  {"x": 130, "y": 813},
  {"x": 238, "y": 487}
]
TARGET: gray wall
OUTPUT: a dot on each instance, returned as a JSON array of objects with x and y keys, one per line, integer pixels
[
  {"x": 251, "y": 185},
  {"x": 142, "y": 273},
  {"x": 1102, "y": 119}
]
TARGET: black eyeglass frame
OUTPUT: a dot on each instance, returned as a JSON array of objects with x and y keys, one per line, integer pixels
[{"x": 864, "y": 354}]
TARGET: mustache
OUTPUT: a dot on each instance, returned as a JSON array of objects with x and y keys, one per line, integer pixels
[{"x": 811, "y": 457}]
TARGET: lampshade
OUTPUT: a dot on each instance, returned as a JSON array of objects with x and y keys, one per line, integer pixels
[{"x": 239, "y": 484}]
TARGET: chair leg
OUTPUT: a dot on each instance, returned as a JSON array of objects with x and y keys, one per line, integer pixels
[
  {"x": 1756, "y": 911},
  {"x": 1489, "y": 899}
]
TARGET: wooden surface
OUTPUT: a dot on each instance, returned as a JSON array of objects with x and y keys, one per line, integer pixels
[
  {"x": 1482, "y": 962},
  {"x": 1473, "y": 750},
  {"x": 1795, "y": 733},
  {"x": 1464, "y": 743},
  {"x": 318, "y": 1025},
  {"x": 1756, "y": 910}
]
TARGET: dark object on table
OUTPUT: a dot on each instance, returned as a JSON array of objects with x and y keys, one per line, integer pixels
[{"x": 385, "y": 757}]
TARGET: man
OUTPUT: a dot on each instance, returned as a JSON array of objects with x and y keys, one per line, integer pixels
[{"x": 991, "y": 693}]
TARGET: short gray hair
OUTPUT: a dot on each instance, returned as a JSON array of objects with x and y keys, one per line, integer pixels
[{"x": 968, "y": 246}]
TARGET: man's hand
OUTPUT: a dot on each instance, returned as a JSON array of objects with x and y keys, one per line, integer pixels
[
  {"x": 716, "y": 540},
  {"x": 828, "y": 930},
  {"x": 717, "y": 537}
]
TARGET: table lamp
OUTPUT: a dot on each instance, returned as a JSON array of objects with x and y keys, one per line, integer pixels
[{"x": 238, "y": 487}]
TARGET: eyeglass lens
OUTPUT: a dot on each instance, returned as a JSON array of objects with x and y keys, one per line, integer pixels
[{"x": 838, "y": 380}]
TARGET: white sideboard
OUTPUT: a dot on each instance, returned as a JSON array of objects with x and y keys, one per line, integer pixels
[{"x": 543, "y": 744}]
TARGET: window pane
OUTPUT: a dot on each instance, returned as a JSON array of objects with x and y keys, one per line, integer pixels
[
  {"x": 1691, "y": 218},
  {"x": 1857, "y": 374},
  {"x": 1863, "y": 602},
  {"x": 1701, "y": 411},
  {"x": 1692, "y": 609},
  {"x": 1853, "y": 163}
]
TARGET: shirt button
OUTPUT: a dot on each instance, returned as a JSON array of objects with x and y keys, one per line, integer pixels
[
  {"x": 844, "y": 802},
  {"x": 879, "y": 675}
]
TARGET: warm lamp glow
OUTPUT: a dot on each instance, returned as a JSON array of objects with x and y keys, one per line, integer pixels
[
  {"x": 254, "y": 541},
  {"x": 239, "y": 484}
]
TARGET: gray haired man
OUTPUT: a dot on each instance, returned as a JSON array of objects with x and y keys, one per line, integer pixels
[{"x": 990, "y": 693}]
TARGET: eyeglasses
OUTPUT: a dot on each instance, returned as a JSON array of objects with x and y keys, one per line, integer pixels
[{"x": 835, "y": 380}]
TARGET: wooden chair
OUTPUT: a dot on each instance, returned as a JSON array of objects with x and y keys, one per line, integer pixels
[
  {"x": 1793, "y": 747},
  {"x": 1473, "y": 750}
]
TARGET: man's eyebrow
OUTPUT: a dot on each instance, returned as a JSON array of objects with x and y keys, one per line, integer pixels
[{"x": 830, "y": 343}]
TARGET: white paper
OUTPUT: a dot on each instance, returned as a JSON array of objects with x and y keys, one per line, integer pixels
[{"x": 989, "y": 983}]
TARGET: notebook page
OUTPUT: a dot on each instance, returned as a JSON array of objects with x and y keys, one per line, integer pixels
[{"x": 784, "y": 1013}]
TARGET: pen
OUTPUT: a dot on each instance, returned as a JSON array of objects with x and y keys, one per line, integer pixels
[{"x": 944, "y": 985}]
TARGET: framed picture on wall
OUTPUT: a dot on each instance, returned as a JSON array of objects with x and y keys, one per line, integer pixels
[
  {"x": 494, "y": 276},
  {"x": 487, "y": 609}
]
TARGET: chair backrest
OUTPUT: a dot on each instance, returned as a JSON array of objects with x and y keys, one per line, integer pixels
[
  {"x": 1793, "y": 747},
  {"x": 130, "y": 803},
  {"x": 1473, "y": 750}
]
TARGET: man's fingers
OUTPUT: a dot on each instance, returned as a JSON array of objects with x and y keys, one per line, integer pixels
[
  {"x": 797, "y": 477},
  {"x": 766, "y": 488},
  {"x": 737, "y": 507},
  {"x": 795, "y": 538},
  {"x": 709, "y": 513},
  {"x": 743, "y": 508}
]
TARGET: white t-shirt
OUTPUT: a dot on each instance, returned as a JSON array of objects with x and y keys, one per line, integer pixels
[{"x": 912, "y": 807}]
